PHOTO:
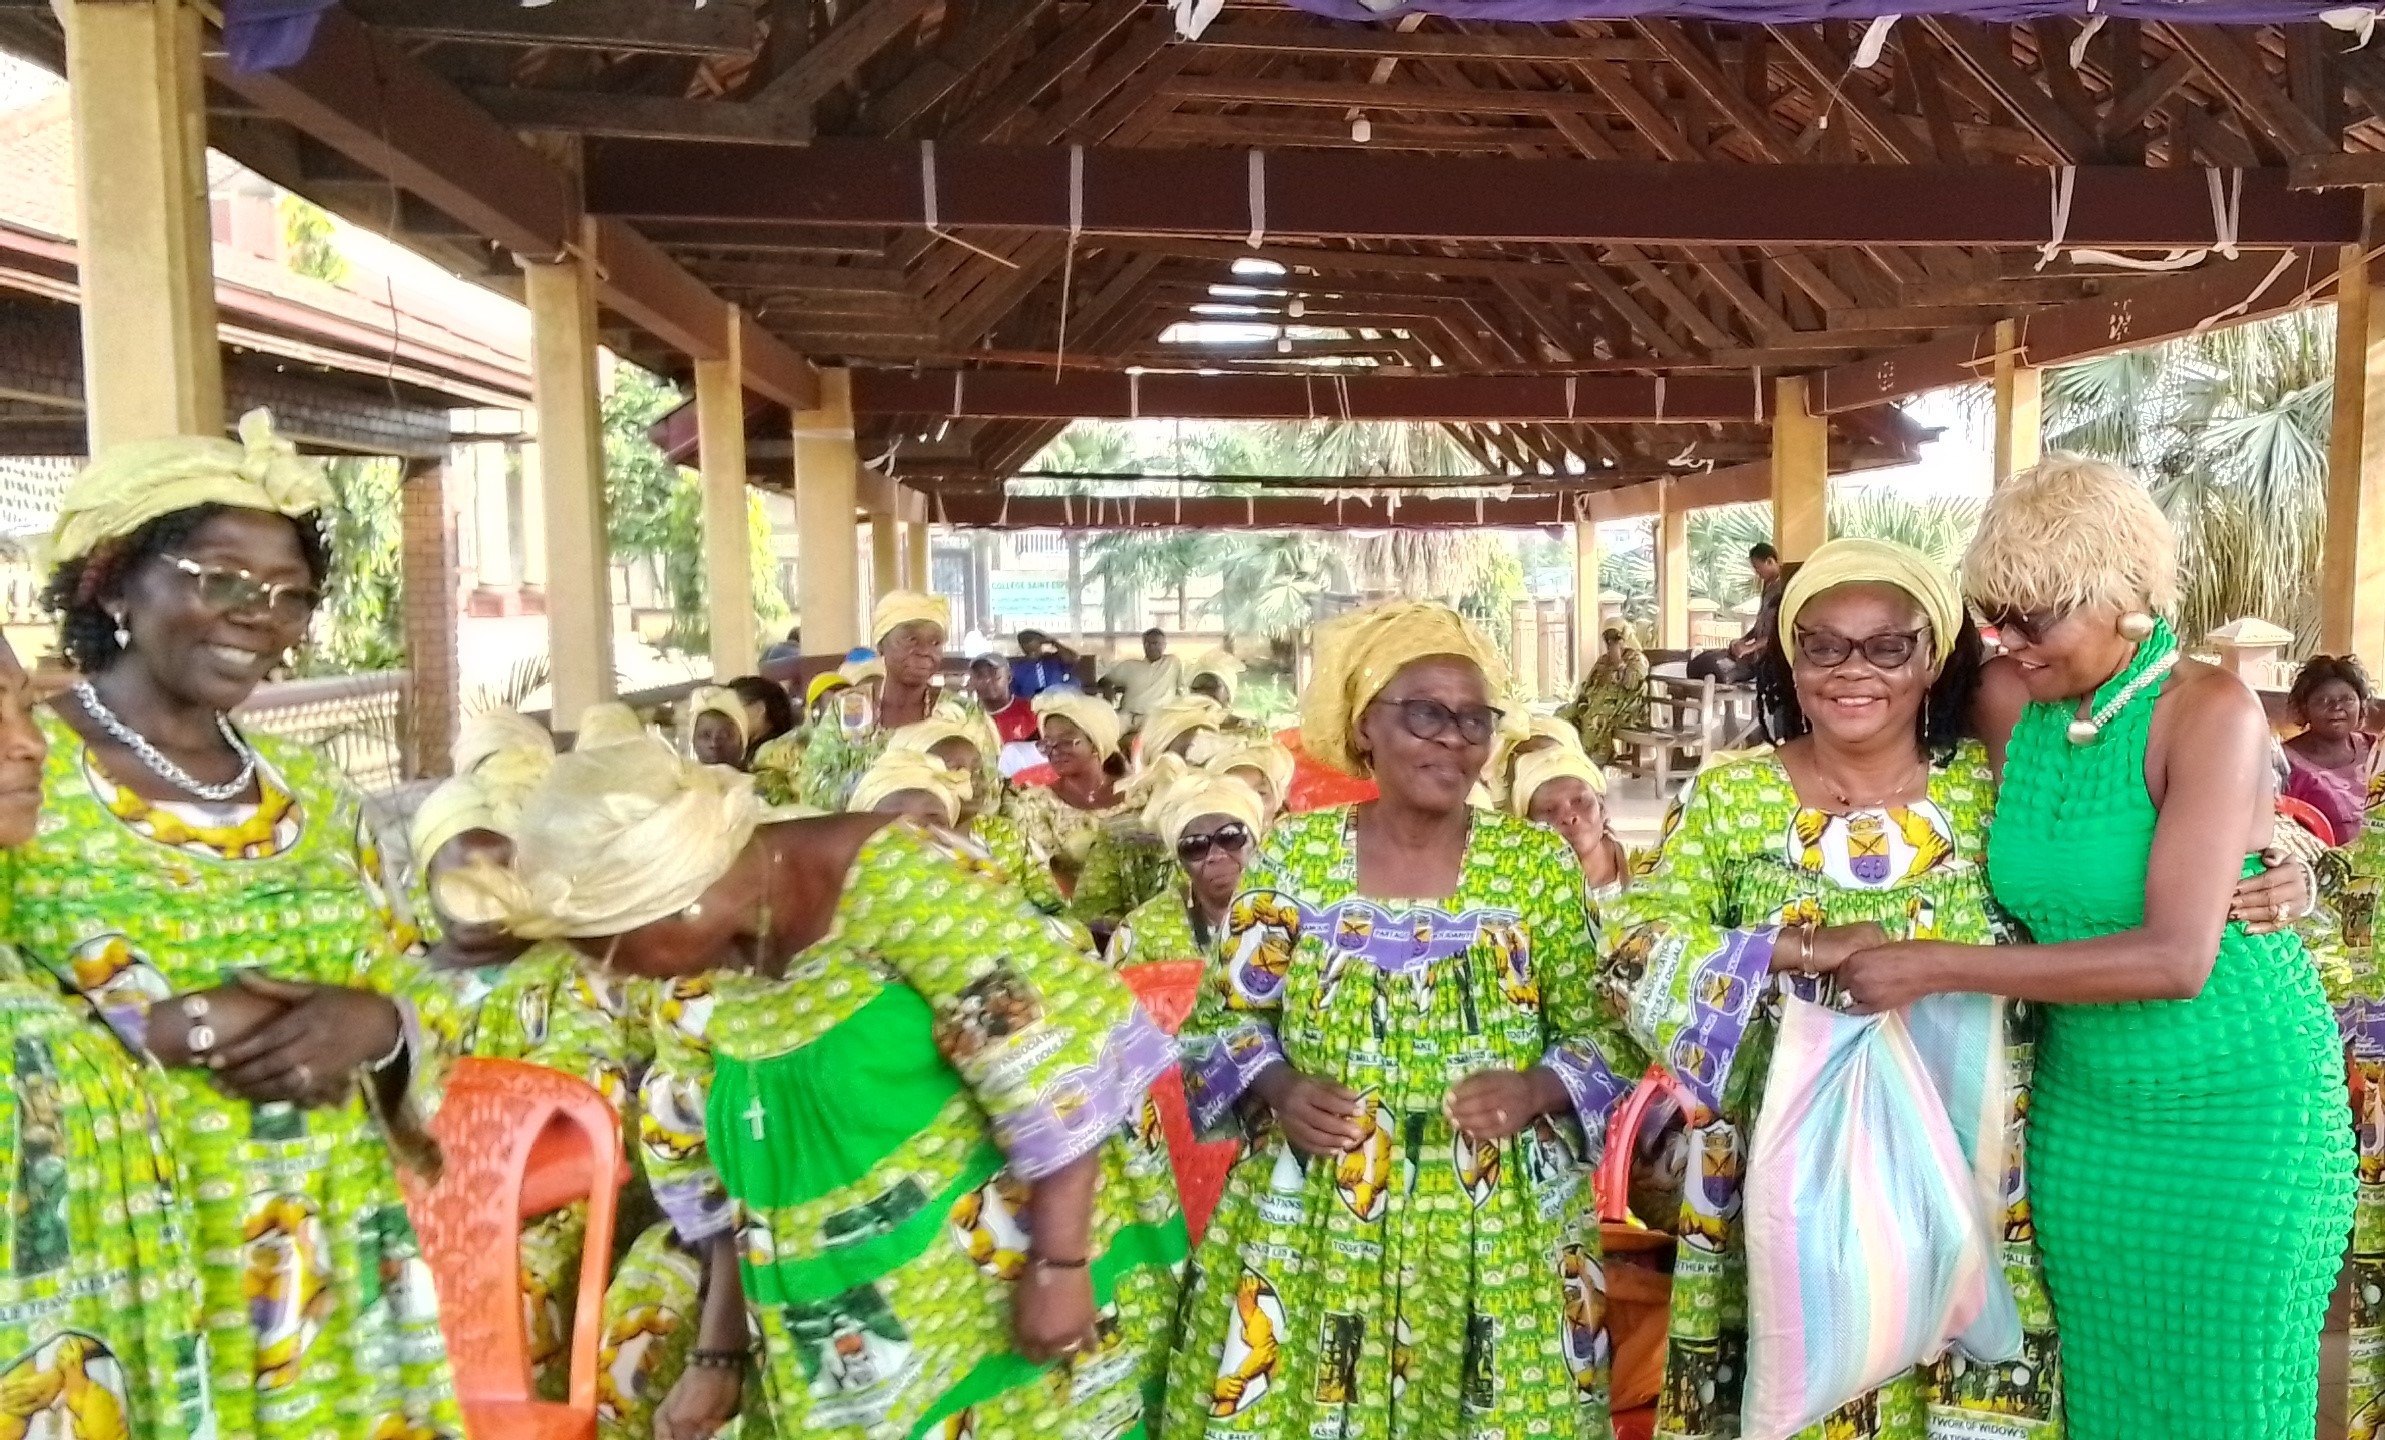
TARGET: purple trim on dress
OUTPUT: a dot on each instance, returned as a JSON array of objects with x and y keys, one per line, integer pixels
[
  {"x": 696, "y": 1208},
  {"x": 1396, "y": 943},
  {"x": 130, "y": 1022},
  {"x": 1082, "y": 1108},
  {"x": 1799, "y": 12},
  {"x": 1723, "y": 991},
  {"x": 1220, "y": 1069},
  {"x": 2363, "y": 1026},
  {"x": 1590, "y": 1082}
]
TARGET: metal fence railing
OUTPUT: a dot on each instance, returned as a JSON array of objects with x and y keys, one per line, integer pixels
[{"x": 356, "y": 719}]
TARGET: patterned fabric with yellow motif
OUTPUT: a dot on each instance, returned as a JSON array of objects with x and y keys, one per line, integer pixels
[
  {"x": 1689, "y": 966},
  {"x": 320, "y": 1316}
]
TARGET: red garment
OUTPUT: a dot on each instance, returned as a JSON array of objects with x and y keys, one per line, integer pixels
[
  {"x": 2339, "y": 794},
  {"x": 1016, "y": 721}
]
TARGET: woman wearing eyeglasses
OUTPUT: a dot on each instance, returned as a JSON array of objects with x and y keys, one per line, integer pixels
[
  {"x": 1211, "y": 822},
  {"x": 219, "y": 897},
  {"x": 1079, "y": 735},
  {"x": 2190, "y": 1073},
  {"x": 1403, "y": 1018},
  {"x": 1868, "y": 821}
]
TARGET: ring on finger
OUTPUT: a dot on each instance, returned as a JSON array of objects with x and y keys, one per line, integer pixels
[{"x": 306, "y": 1075}]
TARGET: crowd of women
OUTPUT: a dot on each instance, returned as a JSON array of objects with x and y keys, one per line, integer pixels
[{"x": 859, "y": 1005}]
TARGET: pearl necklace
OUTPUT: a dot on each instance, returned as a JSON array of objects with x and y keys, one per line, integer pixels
[
  {"x": 2083, "y": 732},
  {"x": 156, "y": 760}
]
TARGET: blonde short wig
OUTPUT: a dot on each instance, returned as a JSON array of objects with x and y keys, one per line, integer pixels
[{"x": 2070, "y": 533}]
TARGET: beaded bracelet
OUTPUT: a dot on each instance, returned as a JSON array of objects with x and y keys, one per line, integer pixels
[{"x": 717, "y": 1359}]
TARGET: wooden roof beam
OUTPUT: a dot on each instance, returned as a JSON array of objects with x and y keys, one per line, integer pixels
[
  {"x": 723, "y": 28},
  {"x": 1041, "y": 395},
  {"x": 1367, "y": 196}
]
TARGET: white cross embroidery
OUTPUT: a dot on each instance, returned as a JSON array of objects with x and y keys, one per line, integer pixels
[{"x": 754, "y": 1114}]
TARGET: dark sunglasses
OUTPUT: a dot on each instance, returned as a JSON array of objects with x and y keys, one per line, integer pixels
[
  {"x": 226, "y": 590},
  {"x": 2031, "y": 625},
  {"x": 1430, "y": 720},
  {"x": 1826, "y": 651},
  {"x": 1232, "y": 836}
]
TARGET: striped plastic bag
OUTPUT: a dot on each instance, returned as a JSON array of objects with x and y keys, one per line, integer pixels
[{"x": 1871, "y": 1194}]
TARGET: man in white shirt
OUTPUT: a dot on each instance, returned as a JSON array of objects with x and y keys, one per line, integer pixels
[{"x": 1148, "y": 683}]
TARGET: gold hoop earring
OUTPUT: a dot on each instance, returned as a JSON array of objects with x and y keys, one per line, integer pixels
[{"x": 2136, "y": 625}]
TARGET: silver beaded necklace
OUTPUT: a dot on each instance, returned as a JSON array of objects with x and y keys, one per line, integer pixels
[{"x": 155, "y": 759}]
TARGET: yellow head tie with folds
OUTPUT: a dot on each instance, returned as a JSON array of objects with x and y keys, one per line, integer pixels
[
  {"x": 1195, "y": 793},
  {"x": 1517, "y": 729},
  {"x": 897, "y": 608},
  {"x": 1224, "y": 666},
  {"x": 1555, "y": 763},
  {"x": 457, "y": 806},
  {"x": 899, "y": 771},
  {"x": 823, "y": 684},
  {"x": 495, "y": 732},
  {"x": 607, "y": 722},
  {"x": 613, "y": 839},
  {"x": 718, "y": 700},
  {"x": 127, "y": 486},
  {"x": 1877, "y": 562},
  {"x": 1268, "y": 757},
  {"x": 1358, "y": 653},
  {"x": 1097, "y": 720},
  {"x": 1178, "y": 718}
]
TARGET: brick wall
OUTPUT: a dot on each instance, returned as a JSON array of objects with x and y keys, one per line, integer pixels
[{"x": 427, "y": 727}]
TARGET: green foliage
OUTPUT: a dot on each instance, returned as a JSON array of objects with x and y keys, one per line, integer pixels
[
  {"x": 362, "y": 623},
  {"x": 2229, "y": 431},
  {"x": 1489, "y": 599},
  {"x": 310, "y": 244}
]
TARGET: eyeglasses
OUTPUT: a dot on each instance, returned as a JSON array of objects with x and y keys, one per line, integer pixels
[
  {"x": 1231, "y": 836},
  {"x": 1052, "y": 742},
  {"x": 224, "y": 589},
  {"x": 1430, "y": 719},
  {"x": 2031, "y": 625},
  {"x": 1888, "y": 651}
]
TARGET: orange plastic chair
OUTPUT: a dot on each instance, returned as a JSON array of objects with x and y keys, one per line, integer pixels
[
  {"x": 1167, "y": 989},
  {"x": 500, "y": 1119},
  {"x": 2310, "y": 817}
]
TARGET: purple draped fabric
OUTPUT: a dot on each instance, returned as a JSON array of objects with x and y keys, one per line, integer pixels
[
  {"x": 270, "y": 34},
  {"x": 1793, "y": 12}
]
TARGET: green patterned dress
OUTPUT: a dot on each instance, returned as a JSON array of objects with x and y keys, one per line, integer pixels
[
  {"x": 1126, "y": 866},
  {"x": 1000, "y": 836},
  {"x": 2350, "y": 878},
  {"x": 2193, "y": 1171},
  {"x": 99, "y": 1309},
  {"x": 1059, "y": 833},
  {"x": 1420, "y": 1286},
  {"x": 1161, "y": 928},
  {"x": 321, "y": 1320},
  {"x": 833, "y": 761},
  {"x": 880, "y": 1242},
  {"x": 1690, "y": 966}
]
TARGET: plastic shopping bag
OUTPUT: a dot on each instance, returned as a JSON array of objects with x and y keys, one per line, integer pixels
[{"x": 1867, "y": 1216}]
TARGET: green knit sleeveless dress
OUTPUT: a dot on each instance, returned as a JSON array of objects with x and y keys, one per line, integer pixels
[{"x": 2190, "y": 1160}]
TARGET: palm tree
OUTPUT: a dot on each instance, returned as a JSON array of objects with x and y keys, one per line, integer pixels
[{"x": 2229, "y": 430}]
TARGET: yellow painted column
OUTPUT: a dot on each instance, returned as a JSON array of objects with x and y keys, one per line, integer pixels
[
  {"x": 1585, "y": 597},
  {"x": 571, "y": 467},
  {"x": 2352, "y": 593},
  {"x": 1800, "y": 472},
  {"x": 2020, "y": 405},
  {"x": 886, "y": 553},
  {"x": 150, "y": 362},
  {"x": 918, "y": 570},
  {"x": 827, "y": 477},
  {"x": 728, "y": 535},
  {"x": 1672, "y": 572},
  {"x": 1523, "y": 649}
]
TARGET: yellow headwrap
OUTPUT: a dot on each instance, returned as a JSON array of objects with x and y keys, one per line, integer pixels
[
  {"x": 1225, "y": 667},
  {"x": 1879, "y": 562},
  {"x": 1555, "y": 763},
  {"x": 457, "y": 806},
  {"x": 718, "y": 699},
  {"x": 1196, "y": 793},
  {"x": 615, "y": 838},
  {"x": 1177, "y": 718},
  {"x": 1097, "y": 720},
  {"x": 495, "y": 732},
  {"x": 1268, "y": 757},
  {"x": 823, "y": 683},
  {"x": 607, "y": 722},
  {"x": 129, "y": 485},
  {"x": 857, "y": 672},
  {"x": 901, "y": 607},
  {"x": 1358, "y": 653},
  {"x": 1519, "y": 728},
  {"x": 899, "y": 770}
]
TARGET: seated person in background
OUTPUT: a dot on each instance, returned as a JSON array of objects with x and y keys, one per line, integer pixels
[
  {"x": 1734, "y": 664},
  {"x": 1012, "y": 714},
  {"x": 769, "y": 709},
  {"x": 1146, "y": 683},
  {"x": 1041, "y": 664},
  {"x": 2330, "y": 758},
  {"x": 713, "y": 729}
]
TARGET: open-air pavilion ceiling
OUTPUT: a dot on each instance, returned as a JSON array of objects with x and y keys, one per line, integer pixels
[{"x": 1716, "y": 204}]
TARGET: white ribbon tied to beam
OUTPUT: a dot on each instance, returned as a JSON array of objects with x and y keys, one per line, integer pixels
[
  {"x": 2360, "y": 21},
  {"x": 2227, "y": 206}
]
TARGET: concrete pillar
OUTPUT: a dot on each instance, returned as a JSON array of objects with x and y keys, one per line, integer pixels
[
  {"x": 827, "y": 474},
  {"x": 2020, "y": 405},
  {"x": 531, "y": 512},
  {"x": 2352, "y": 575},
  {"x": 919, "y": 570},
  {"x": 1800, "y": 473},
  {"x": 1585, "y": 596},
  {"x": 494, "y": 541},
  {"x": 1672, "y": 572},
  {"x": 427, "y": 594},
  {"x": 728, "y": 534},
  {"x": 151, "y": 365},
  {"x": 1551, "y": 636},
  {"x": 886, "y": 554},
  {"x": 1523, "y": 650},
  {"x": 571, "y": 467}
]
